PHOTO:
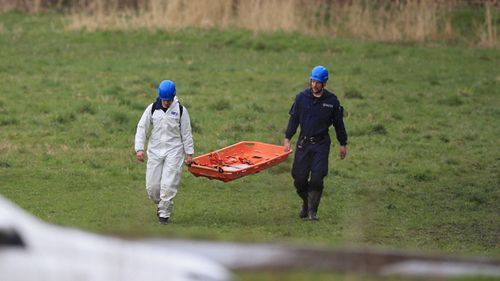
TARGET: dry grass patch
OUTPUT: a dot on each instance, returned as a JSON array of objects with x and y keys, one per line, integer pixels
[
  {"x": 411, "y": 20},
  {"x": 8, "y": 147},
  {"x": 394, "y": 21},
  {"x": 153, "y": 14}
]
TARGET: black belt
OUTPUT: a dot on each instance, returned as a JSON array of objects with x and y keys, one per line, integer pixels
[{"x": 313, "y": 139}]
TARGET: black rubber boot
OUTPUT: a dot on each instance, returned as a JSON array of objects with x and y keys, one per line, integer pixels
[
  {"x": 304, "y": 211},
  {"x": 162, "y": 220},
  {"x": 305, "y": 208},
  {"x": 314, "y": 198}
]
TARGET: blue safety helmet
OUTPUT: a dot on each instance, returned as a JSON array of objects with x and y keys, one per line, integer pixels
[
  {"x": 319, "y": 73},
  {"x": 166, "y": 90}
]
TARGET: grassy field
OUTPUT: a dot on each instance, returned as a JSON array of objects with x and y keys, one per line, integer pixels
[{"x": 422, "y": 171}]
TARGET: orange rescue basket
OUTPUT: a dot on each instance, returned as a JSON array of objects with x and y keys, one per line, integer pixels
[{"x": 238, "y": 160}]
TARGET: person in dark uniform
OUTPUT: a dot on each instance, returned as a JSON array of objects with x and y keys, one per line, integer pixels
[{"x": 315, "y": 109}]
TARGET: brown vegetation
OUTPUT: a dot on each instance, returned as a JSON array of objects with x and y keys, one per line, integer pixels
[{"x": 396, "y": 20}]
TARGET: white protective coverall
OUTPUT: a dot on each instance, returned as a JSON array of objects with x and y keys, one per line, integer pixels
[{"x": 170, "y": 140}]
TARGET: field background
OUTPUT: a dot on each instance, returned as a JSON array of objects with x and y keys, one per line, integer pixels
[{"x": 422, "y": 171}]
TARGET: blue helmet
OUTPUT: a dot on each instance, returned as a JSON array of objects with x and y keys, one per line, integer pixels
[
  {"x": 319, "y": 73},
  {"x": 166, "y": 90}
]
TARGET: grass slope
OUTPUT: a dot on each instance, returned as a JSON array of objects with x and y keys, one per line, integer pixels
[{"x": 422, "y": 171}]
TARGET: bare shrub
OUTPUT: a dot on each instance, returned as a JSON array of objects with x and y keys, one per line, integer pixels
[
  {"x": 32, "y": 6},
  {"x": 488, "y": 31}
]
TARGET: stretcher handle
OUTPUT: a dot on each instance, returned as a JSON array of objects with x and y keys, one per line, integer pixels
[{"x": 218, "y": 169}]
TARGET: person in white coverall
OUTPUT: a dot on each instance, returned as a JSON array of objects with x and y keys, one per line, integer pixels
[{"x": 170, "y": 144}]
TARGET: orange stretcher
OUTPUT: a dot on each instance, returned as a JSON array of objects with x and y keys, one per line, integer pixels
[{"x": 238, "y": 160}]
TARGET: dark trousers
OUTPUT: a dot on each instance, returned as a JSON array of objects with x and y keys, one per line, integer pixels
[{"x": 310, "y": 166}]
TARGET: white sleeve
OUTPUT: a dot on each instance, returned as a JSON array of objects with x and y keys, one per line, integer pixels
[
  {"x": 187, "y": 136},
  {"x": 142, "y": 129}
]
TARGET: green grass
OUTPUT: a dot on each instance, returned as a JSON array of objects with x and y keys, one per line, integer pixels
[{"x": 422, "y": 171}]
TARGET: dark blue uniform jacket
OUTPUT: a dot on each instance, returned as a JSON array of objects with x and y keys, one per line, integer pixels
[{"x": 316, "y": 115}]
